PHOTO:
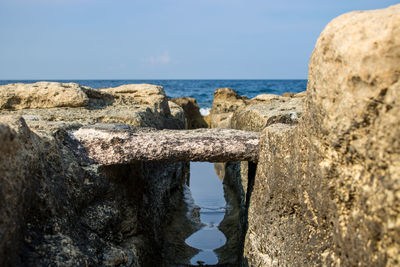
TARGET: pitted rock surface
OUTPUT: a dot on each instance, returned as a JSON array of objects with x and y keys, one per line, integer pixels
[
  {"x": 143, "y": 105},
  {"x": 326, "y": 192},
  {"x": 122, "y": 147},
  {"x": 42, "y": 95}
]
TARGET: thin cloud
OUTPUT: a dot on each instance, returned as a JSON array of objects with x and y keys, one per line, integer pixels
[{"x": 163, "y": 59}]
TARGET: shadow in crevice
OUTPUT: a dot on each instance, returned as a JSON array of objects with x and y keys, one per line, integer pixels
[
  {"x": 251, "y": 175},
  {"x": 238, "y": 182},
  {"x": 238, "y": 179}
]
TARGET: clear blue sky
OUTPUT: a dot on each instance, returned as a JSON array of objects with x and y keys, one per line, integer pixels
[{"x": 164, "y": 39}]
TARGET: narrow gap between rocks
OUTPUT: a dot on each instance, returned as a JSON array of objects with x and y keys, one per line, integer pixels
[{"x": 207, "y": 229}]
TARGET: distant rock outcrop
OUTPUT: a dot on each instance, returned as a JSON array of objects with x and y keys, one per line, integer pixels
[
  {"x": 142, "y": 95},
  {"x": 42, "y": 95},
  {"x": 192, "y": 112},
  {"x": 230, "y": 110},
  {"x": 258, "y": 115},
  {"x": 226, "y": 101}
]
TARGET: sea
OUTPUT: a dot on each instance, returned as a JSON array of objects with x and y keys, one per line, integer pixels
[{"x": 202, "y": 90}]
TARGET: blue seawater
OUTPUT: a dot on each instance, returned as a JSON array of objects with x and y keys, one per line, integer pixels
[{"x": 202, "y": 90}]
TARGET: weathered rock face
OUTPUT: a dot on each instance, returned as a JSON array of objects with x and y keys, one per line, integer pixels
[
  {"x": 58, "y": 209},
  {"x": 19, "y": 165},
  {"x": 233, "y": 222},
  {"x": 177, "y": 113},
  {"x": 225, "y": 102},
  {"x": 135, "y": 105},
  {"x": 126, "y": 146},
  {"x": 141, "y": 94},
  {"x": 231, "y": 110},
  {"x": 255, "y": 117},
  {"x": 327, "y": 191},
  {"x": 192, "y": 112},
  {"x": 42, "y": 95}
]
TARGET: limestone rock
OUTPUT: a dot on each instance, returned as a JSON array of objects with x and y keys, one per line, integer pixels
[
  {"x": 231, "y": 110},
  {"x": 276, "y": 232},
  {"x": 192, "y": 112},
  {"x": 327, "y": 190},
  {"x": 42, "y": 95},
  {"x": 123, "y": 147},
  {"x": 60, "y": 212},
  {"x": 142, "y": 94},
  {"x": 58, "y": 209},
  {"x": 225, "y": 102},
  {"x": 255, "y": 117},
  {"x": 19, "y": 164},
  {"x": 178, "y": 113},
  {"x": 135, "y": 105},
  {"x": 267, "y": 98}
]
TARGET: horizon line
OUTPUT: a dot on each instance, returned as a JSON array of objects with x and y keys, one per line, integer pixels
[{"x": 151, "y": 79}]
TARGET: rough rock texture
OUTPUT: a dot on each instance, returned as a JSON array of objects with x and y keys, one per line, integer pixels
[
  {"x": 327, "y": 190},
  {"x": 136, "y": 105},
  {"x": 255, "y": 117},
  {"x": 60, "y": 210},
  {"x": 232, "y": 224},
  {"x": 142, "y": 94},
  {"x": 192, "y": 112},
  {"x": 42, "y": 95},
  {"x": 122, "y": 147},
  {"x": 225, "y": 102},
  {"x": 19, "y": 165},
  {"x": 177, "y": 113},
  {"x": 230, "y": 110}
]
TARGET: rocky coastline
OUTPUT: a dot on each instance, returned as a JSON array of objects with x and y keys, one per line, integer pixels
[{"x": 325, "y": 190}]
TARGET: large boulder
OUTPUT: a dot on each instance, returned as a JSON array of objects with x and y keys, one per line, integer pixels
[{"x": 326, "y": 191}]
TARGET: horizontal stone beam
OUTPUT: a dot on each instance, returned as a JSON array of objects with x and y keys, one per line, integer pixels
[{"x": 125, "y": 146}]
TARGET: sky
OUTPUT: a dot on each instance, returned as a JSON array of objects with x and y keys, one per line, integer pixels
[{"x": 164, "y": 39}]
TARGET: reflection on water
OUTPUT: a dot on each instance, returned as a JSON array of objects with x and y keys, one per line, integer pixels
[
  {"x": 205, "y": 257},
  {"x": 206, "y": 239},
  {"x": 207, "y": 192}
]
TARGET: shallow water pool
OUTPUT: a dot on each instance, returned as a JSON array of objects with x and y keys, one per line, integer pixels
[{"x": 207, "y": 193}]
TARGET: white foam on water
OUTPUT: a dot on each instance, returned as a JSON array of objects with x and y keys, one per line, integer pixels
[{"x": 205, "y": 111}]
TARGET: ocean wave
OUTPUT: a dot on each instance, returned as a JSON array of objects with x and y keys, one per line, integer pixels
[{"x": 205, "y": 111}]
